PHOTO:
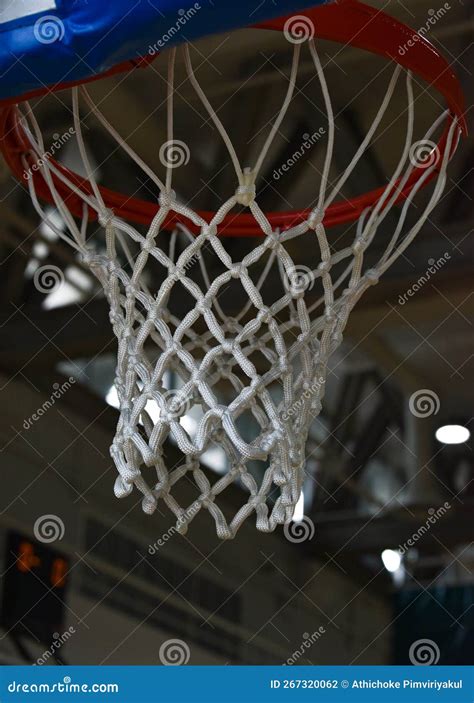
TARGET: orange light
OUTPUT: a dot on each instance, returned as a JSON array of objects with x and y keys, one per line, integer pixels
[
  {"x": 27, "y": 558},
  {"x": 59, "y": 572}
]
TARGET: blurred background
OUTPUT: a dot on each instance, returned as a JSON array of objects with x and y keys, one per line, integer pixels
[{"x": 378, "y": 565}]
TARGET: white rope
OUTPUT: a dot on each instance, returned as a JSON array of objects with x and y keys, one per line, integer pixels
[{"x": 258, "y": 376}]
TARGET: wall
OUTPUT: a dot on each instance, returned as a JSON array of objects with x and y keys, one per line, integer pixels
[{"x": 258, "y": 599}]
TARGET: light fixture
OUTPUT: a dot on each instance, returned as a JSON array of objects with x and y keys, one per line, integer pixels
[
  {"x": 392, "y": 560},
  {"x": 452, "y": 434}
]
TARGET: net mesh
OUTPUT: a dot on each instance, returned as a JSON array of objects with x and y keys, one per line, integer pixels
[{"x": 272, "y": 356}]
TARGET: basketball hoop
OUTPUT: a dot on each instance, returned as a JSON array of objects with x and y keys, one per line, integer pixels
[{"x": 295, "y": 337}]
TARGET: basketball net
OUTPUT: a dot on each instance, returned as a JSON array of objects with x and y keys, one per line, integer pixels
[{"x": 296, "y": 334}]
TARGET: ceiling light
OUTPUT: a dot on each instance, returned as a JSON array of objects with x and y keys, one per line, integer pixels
[
  {"x": 452, "y": 434},
  {"x": 392, "y": 560}
]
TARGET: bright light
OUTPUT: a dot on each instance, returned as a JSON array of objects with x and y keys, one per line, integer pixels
[
  {"x": 152, "y": 409},
  {"x": 53, "y": 224},
  {"x": 215, "y": 459},
  {"x": 66, "y": 293},
  {"x": 298, "y": 515},
  {"x": 189, "y": 424},
  {"x": 452, "y": 434},
  {"x": 112, "y": 398},
  {"x": 392, "y": 560}
]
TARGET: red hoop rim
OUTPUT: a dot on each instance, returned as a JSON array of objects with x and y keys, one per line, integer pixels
[{"x": 344, "y": 21}]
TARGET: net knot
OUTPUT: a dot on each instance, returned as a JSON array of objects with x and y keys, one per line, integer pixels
[
  {"x": 131, "y": 290},
  {"x": 106, "y": 217},
  {"x": 94, "y": 261},
  {"x": 264, "y": 315},
  {"x": 272, "y": 241},
  {"x": 237, "y": 270},
  {"x": 209, "y": 230},
  {"x": 149, "y": 504},
  {"x": 206, "y": 500},
  {"x": 129, "y": 432},
  {"x": 114, "y": 317},
  {"x": 325, "y": 266},
  {"x": 122, "y": 488},
  {"x": 372, "y": 276},
  {"x": 258, "y": 500},
  {"x": 153, "y": 315},
  {"x": 148, "y": 245},
  {"x": 133, "y": 359},
  {"x": 330, "y": 315},
  {"x": 316, "y": 218},
  {"x": 203, "y": 306},
  {"x": 112, "y": 267},
  {"x": 230, "y": 346},
  {"x": 358, "y": 246},
  {"x": 246, "y": 192},
  {"x": 167, "y": 199},
  {"x": 176, "y": 273}
]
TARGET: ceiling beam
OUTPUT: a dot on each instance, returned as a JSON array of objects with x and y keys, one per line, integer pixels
[{"x": 363, "y": 534}]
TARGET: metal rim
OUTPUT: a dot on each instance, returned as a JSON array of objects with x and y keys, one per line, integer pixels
[{"x": 347, "y": 22}]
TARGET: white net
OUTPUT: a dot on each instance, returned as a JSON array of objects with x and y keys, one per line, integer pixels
[{"x": 258, "y": 377}]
